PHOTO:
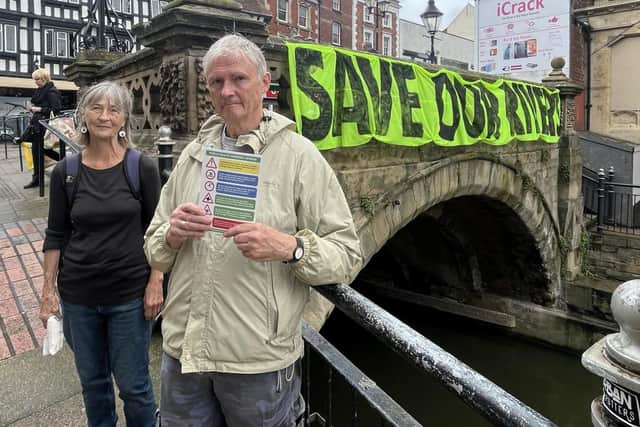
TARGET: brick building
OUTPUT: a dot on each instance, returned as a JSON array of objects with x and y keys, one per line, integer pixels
[{"x": 352, "y": 24}]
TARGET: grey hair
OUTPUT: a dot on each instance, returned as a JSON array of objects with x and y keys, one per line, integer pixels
[
  {"x": 118, "y": 95},
  {"x": 234, "y": 44}
]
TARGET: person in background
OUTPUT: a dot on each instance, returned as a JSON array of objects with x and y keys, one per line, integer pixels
[
  {"x": 93, "y": 250},
  {"x": 232, "y": 320},
  {"x": 45, "y": 100}
]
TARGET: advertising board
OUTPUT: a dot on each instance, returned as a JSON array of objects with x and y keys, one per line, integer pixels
[{"x": 518, "y": 39}]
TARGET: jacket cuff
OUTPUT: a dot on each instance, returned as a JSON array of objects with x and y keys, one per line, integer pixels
[{"x": 309, "y": 245}]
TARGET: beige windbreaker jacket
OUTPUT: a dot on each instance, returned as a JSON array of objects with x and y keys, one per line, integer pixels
[{"x": 225, "y": 312}]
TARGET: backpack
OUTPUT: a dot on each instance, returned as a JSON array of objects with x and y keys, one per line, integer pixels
[{"x": 132, "y": 160}]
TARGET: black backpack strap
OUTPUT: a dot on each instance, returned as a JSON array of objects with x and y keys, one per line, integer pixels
[
  {"x": 133, "y": 160},
  {"x": 71, "y": 165}
]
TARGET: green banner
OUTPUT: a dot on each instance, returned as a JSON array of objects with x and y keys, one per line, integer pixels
[{"x": 343, "y": 98}]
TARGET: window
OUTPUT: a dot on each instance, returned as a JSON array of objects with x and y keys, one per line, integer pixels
[
  {"x": 155, "y": 7},
  {"x": 335, "y": 4},
  {"x": 303, "y": 16},
  {"x": 58, "y": 43},
  {"x": 9, "y": 38},
  {"x": 386, "y": 21},
  {"x": 336, "y": 29},
  {"x": 48, "y": 42},
  {"x": 368, "y": 40},
  {"x": 283, "y": 10},
  {"x": 74, "y": 1},
  {"x": 368, "y": 16},
  {"x": 123, "y": 6},
  {"x": 386, "y": 45},
  {"x": 62, "y": 45}
]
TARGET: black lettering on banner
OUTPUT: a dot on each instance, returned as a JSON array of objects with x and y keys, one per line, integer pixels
[
  {"x": 473, "y": 127},
  {"x": 358, "y": 112},
  {"x": 541, "y": 101},
  {"x": 520, "y": 91},
  {"x": 380, "y": 95},
  {"x": 402, "y": 73},
  {"x": 552, "y": 100},
  {"x": 492, "y": 108},
  {"x": 533, "y": 104},
  {"x": 443, "y": 84},
  {"x": 511, "y": 104},
  {"x": 314, "y": 129}
]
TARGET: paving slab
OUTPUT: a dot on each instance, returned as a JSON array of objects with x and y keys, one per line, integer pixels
[{"x": 44, "y": 391}]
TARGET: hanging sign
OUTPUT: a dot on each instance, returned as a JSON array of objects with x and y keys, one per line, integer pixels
[{"x": 343, "y": 98}]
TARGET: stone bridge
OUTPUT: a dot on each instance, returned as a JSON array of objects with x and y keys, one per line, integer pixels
[{"x": 490, "y": 232}]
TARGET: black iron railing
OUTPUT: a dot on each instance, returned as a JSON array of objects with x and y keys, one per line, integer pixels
[
  {"x": 482, "y": 395},
  {"x": 11, "y": 126},
  {"x": 362, "y": 388},
  {"x": 614, "y": 205}
]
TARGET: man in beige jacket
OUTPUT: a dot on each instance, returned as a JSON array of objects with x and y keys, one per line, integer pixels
[{"x": 231, "y": 323}]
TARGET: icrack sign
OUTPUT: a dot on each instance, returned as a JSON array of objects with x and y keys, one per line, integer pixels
[
  {"x": 345, "y": 98},
  {"x": 512, "y": 7}
]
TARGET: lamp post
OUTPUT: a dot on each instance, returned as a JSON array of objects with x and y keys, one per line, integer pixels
[
  {"x": 431, "y": 20},
  {"x": 377, "y": 9}
]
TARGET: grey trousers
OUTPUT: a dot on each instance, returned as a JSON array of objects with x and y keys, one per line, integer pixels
[{"x": 216, "y": 399}]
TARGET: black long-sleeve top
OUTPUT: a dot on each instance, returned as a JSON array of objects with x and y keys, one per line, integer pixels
[
  {"x": 49, "y": 99},
  {"x": 104, "y": 261}
]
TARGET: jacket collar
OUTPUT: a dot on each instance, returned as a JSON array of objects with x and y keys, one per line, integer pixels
[{"x": 258, "y": 139}]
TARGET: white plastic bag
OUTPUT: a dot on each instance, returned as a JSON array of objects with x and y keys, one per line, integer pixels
[{"x": 54, "y": 340}]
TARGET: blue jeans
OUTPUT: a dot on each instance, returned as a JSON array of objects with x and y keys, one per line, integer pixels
[{"x": 112, "y": 339}]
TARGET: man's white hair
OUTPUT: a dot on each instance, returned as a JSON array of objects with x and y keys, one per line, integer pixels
[{"x": 234, "y": 44}]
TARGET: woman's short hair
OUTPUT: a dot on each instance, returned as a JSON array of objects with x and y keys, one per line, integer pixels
[
  {"x": 234, "y": 44},
  {"x": 41, "y": 73},
  {"x": 118, "y": 96}
]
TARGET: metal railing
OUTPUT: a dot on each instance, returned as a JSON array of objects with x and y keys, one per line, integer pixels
[
  {"x": 614, "y": 205},
  {"x": 11, "y": 126},
  {"x": 482, "y": 395},
  {"x": 479, "y": 393},
  {"x": 362, "y": 387}
]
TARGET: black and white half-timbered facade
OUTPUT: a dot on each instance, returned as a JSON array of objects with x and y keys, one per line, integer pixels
[{"x": 41, "y": 33}]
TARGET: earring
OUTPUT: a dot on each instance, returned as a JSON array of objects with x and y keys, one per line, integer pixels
[
  {"x": 83, "y": 129},
  {"x": 122, "y": 133}
]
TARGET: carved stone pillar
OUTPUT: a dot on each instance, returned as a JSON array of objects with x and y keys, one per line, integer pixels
[
  {"x": 87, "y": 66},
  {"x": 181, "y": 35},
  {"x": 570, "y": 203}
]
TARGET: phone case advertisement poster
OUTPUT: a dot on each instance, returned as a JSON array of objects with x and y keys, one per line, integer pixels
[
  {"x": 520, "y": 38},
  {"x": 229, "y": 187}
]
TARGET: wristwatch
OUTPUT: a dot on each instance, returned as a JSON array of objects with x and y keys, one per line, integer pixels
[{"x": 298, "y": 252}]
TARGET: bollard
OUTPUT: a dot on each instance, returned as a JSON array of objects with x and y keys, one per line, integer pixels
[
  {"x": 616, "y": 359},
  {"x": 165, "y": 152},
  {"x": 610, "y": 195},
  {"x": 601, "y": 198}
]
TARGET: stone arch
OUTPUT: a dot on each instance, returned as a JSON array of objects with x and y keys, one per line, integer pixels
[{"x": 467, "y": 176}]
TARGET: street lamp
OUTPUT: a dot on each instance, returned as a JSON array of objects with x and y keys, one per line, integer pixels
[
  {"x": 377, "y": 9},
  {"x": 431, "y": 20}
]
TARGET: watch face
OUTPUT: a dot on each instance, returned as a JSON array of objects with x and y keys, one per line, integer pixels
[{"x": 299, "y": 252}]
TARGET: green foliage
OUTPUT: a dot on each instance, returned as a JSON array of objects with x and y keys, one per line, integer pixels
[{"x": 368, "y": 205}]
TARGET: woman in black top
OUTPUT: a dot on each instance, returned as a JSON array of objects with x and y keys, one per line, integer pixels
[
  {"x": 108, "y": 293},
  {"x": 44, "y": 101}
]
